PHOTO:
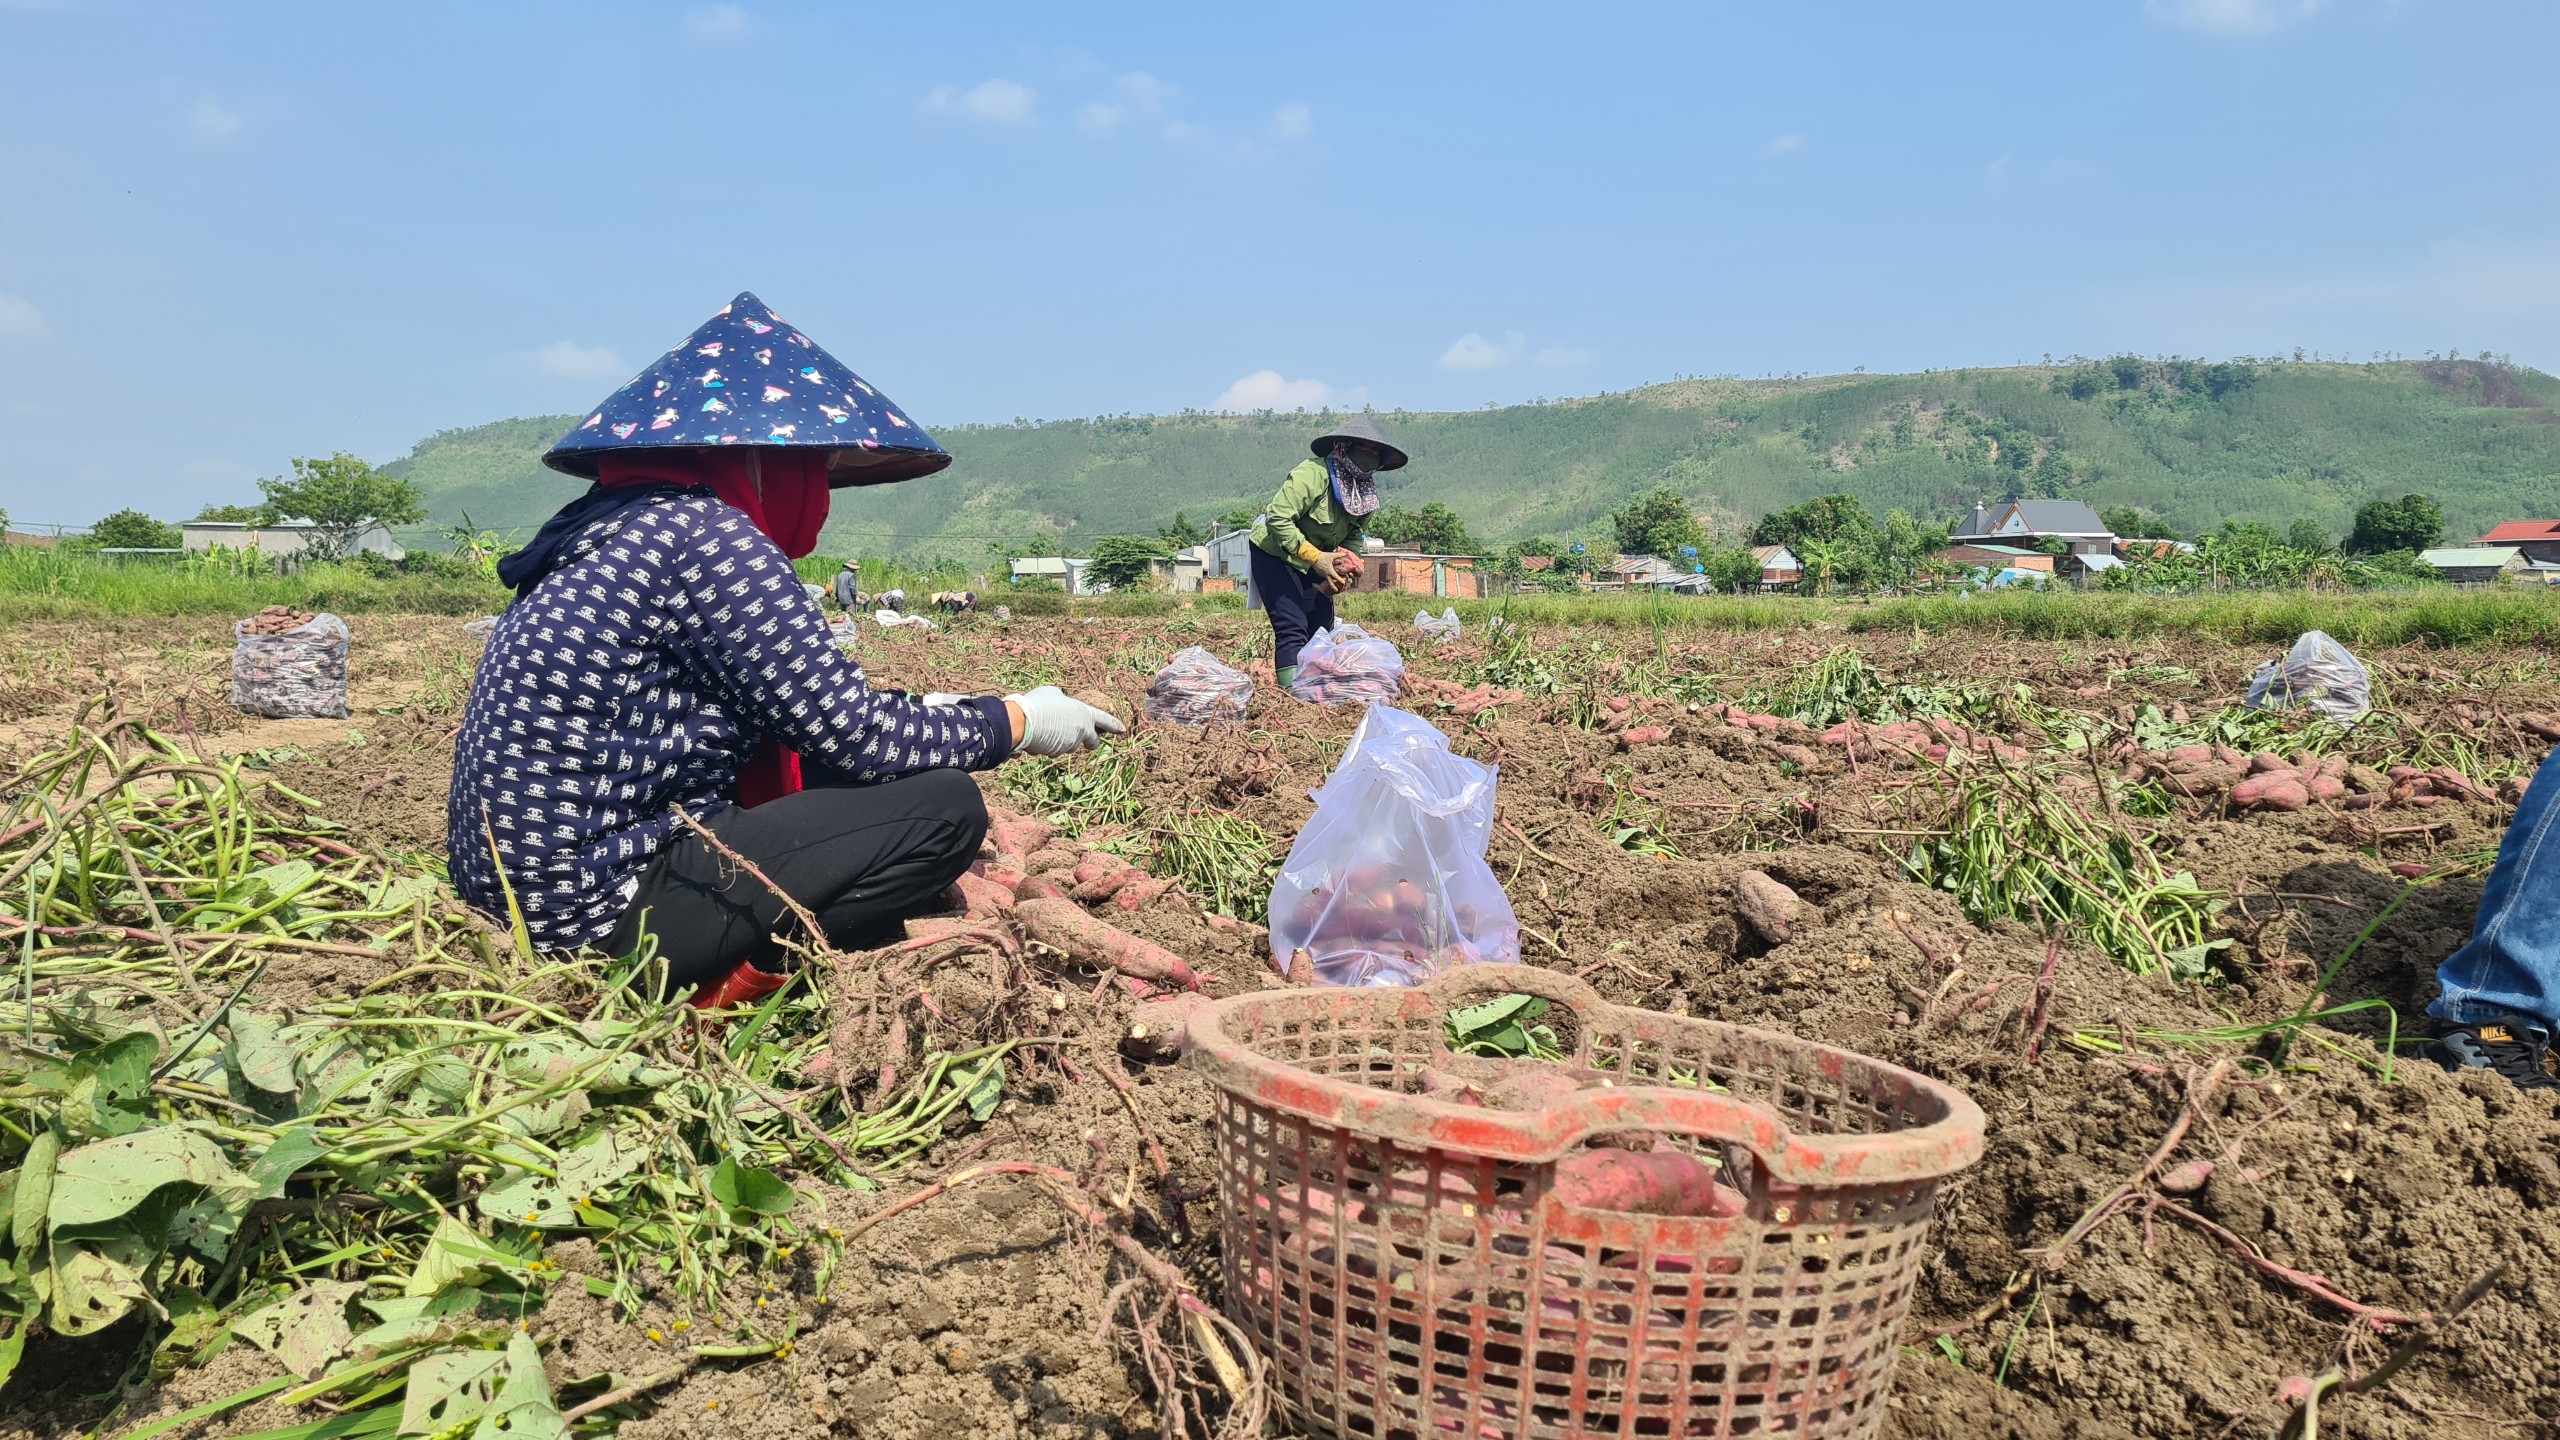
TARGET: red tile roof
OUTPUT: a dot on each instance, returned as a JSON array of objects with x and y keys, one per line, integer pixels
[{"x": 2514, "y": 530}]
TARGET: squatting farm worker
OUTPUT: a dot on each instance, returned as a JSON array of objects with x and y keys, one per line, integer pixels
[
  {"x": 1312, "y": 522},
  {"x": 661, "y": 656},
  {"x": 2500, "y": 1006}
]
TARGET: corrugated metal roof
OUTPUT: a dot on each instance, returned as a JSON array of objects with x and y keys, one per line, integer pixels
[{"x": 2468, "y": 557}]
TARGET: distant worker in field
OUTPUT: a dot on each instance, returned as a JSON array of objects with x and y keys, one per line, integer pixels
[
  {"x": 1305, "y": 546},
  {"x": 849, "y": 587},
  {"x": 2501, "y": 1000},
  {"x": 663, "y": 698}
]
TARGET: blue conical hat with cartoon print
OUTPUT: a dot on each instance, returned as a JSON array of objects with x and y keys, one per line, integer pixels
[{"x": 748, "y": 378}]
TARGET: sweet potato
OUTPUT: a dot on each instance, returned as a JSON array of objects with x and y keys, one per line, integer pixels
[
  {"x": 1158, "y": 1030},
  {"x": 1644, "y": 735},
  {"x": 1099, "y": 876},
  {"x": 1020, "y": 836},
  {"x": 1138, "y": 892},
  {"x": 1655, "y": 1182},
  {"x": 1063, "y": 926},
  {"x": 1050, "y": 859},
  {"x": 982, "y": 898},
  {"x": 2276, "y": 790}
]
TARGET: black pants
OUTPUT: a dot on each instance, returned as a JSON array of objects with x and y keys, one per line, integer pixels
[
  {"x": 1296, "y": 607},
  {"x": 862, "y": 858}
]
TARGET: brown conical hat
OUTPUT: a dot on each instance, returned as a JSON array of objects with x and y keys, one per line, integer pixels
[{"x": 1363, "y": 426}]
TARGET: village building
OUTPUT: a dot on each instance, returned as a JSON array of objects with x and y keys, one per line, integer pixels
[
  {"x": 281, "y": 540},
  {"x": 2029, "y": 523},
  {"x": 1778, "y": 565},
  {"x": 2474, "y": 564},
  {"x": 2538, "y": 539}
]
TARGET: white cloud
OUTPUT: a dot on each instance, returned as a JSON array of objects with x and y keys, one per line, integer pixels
[
  {"x": 1266, "y": 390},
  {"x": 2232, "y": 17},
  {"x": 1293, "y": 121},
  {"x": 989, "y": 102},
  {"x": 1136, "y": 98},
  {"x": 1472, "y": 351},
  {"x": 717, "y": 22},
  {"x": 21, "y": 322},
  {"x": 569, "y": 360},
  {"x": 210, "y": 123},
  {"x": 1786, "y": 145},
  {"x": 1999, "y": 169},
  {"x": 1563, "y": 357}
]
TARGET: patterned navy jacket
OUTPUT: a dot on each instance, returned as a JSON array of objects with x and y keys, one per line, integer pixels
[{"x": 636, "y": 678}]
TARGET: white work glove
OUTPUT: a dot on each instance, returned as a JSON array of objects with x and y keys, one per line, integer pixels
[{"x": 1056, "y": 723}]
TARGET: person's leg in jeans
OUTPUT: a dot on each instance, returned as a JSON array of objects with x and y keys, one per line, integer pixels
[
  {"x": 1296, "y": 607},
  {"x": 861, "y": 858},
  {"x": 2502, "y": 990}
]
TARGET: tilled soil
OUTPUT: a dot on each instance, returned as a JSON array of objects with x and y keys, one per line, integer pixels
[{"x": 2388, "y": 1181}]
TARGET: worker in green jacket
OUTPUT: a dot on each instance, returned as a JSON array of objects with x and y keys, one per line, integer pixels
[{"x": 1304, "y": 543}]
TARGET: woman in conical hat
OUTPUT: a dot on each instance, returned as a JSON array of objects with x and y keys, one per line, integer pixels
[
  {"x": 662, "y": 657},
  {"x": 1304, "y": 542}
]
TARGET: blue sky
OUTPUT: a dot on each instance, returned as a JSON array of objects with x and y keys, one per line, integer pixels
[{"x": 233, "y": 234}]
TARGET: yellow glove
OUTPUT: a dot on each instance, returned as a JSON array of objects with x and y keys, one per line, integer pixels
[{"x": 1320, "y": 562}]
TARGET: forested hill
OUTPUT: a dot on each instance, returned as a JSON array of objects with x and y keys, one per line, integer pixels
[{"x": 2198, "y": 444}]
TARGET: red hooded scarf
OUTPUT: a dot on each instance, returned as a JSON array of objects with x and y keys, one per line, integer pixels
[{"x": 785, "y": 493}]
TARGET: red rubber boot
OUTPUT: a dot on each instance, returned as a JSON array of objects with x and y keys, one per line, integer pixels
[{"x": 743, "y": 986}]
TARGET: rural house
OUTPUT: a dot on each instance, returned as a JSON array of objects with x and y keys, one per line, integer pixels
[
  {"x": 281, "y": 540},
  {"x": 1065, "y": 571},
  {"x": 1634, "y": 572},
  {"x": 1409, "y": 569},
  {"x": 2538, "y": 539},
  {"x": 1778, "y": 565},
  {"x": 1219, "y": 565},
  {"x": 2029, "y": 523},
  {"x": 1995, "y": 558},
  {"x": 2474, "y": 564}
]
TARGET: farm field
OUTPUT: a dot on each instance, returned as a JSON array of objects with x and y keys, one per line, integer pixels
[{"x": 2039, "y": 869}]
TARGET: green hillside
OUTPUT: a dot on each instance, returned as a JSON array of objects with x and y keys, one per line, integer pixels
[{"x": 2197, "y": 443}]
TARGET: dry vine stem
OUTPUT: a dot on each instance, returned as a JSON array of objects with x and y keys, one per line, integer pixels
[
  {"x": 1224, "y": 1348},
  {"x": 2304, "y": 1423}
]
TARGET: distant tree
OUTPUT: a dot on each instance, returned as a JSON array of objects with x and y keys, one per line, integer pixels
[
  {"x": 342, "y": 496},
  {"x": 239, "y": 514},
  {"x": 1904, "y": 547},
  {"x": 2412, "y": 522},
  {"x": 2308, "y": 536},
  {"x": 1180, "y": 533},
  {"x": 1828, "y": 517},
  {"x": 133, "y": 530},
  {"x": 1439, "y": 531},
  {"x": 2054, "y": 545},
  {"x": 1735, "y": 571},
  {"x": 1125, "y": 562},
  {"x": 1240, "y": 518},
  {"x": 2131, "y": 524},
  {"x": 1657, "y": 524},
  {"x": 1394, "y": 524}
]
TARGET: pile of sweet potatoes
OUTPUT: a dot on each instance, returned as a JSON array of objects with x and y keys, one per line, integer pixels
[
  {"x": 1036, "y": 881},
  {"x": 1914, "y": 742}
]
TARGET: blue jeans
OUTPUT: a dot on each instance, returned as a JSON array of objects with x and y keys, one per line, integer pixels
[
  {"x": 1296, "y": 607},
  {"x": 2512, "y": 964}
]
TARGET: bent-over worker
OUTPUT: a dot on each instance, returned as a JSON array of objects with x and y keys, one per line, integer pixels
[
  {"x": 1313, "y": 521},
  {"x": 2500, "y": 1001},
  {"x": 661, "y": 664},
  {"x": 848, "y": 587}
]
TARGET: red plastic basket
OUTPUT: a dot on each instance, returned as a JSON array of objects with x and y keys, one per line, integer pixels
[{"x": 1409, "y": 1273}]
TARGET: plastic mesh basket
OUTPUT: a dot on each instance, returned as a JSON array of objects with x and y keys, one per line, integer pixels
[{"x": 1409, "y": 1273}]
